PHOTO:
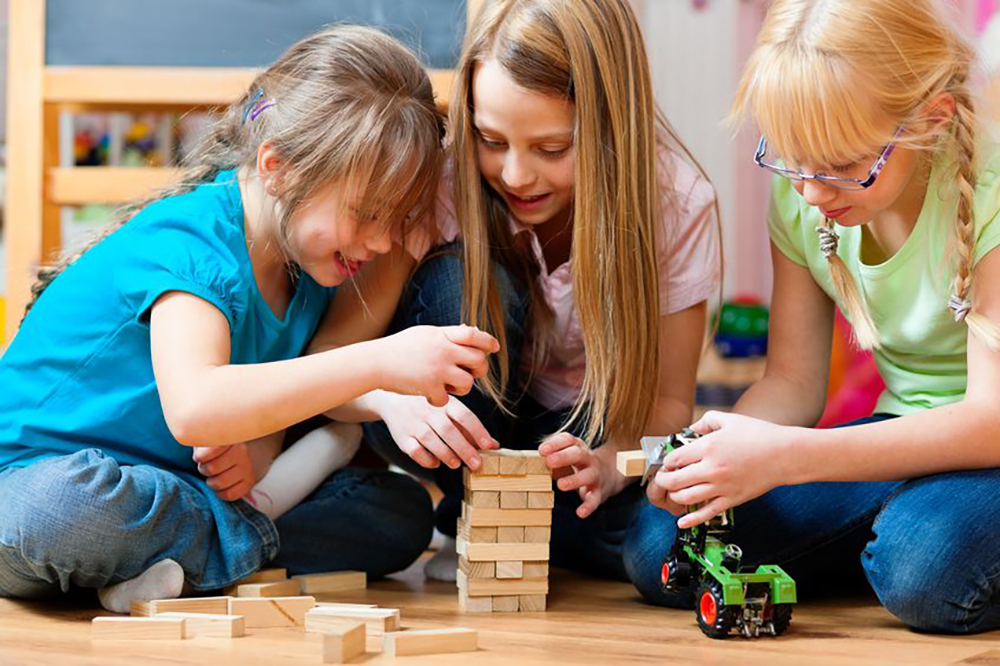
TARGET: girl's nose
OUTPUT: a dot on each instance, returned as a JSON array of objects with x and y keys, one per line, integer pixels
[
  {"x": 516, "y": 175},
  {"x": 816, "y": 193}
]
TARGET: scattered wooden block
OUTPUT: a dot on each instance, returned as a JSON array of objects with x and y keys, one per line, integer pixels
[
  {"x": 271, "y": 611},
  {"x": 513, "y": 499},
  {"x": 430, "y": 641},
  {"x": 337, "y": 604},
  {"x": 631, "y": 463},
  {"x": 500, "y": 552},
  {"x": 474, "y": 517},
  {"x": 206, "y": 624},
  {"x": 378, "y": 620},
  {"x": 477, "y": 569},
  {"x": 510, "y": 534},
  {"x": 507, "y": 569},
  {"x": 480, "y": 587},
  {"x": 474, "y": 604},
  {"x": 541, "y": 500},
  {"x": 264, "y": 576},
  {"x": 285, "y": 588},
  {"x": 532, "y": 603},
  {"x": 505, "y": 604},
  {"x": 535, "y": 569},
  {"x": 336, "y": 581},
  {"x": 214, "y": 605},
  {"x": 483, "y": 499},
  {"x": 537, "y": 534},
  {"x": 343, "y": 643},
  {"x": 137, "y": 628}
]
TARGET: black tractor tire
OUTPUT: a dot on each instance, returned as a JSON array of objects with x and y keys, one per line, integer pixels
[
  {"x": 675, "y": 576},
  {"x": 715, "y": 618},
  {"x": 781, "y": 617}
]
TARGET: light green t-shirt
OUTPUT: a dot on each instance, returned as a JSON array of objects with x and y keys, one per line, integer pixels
[{"x": 922, "y": 355}]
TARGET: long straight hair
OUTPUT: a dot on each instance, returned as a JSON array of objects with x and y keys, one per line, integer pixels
[
  {"x": 832, "y": 80},
  {"x": 346, "y": 102},
  {"x": 591, "y": 53}
]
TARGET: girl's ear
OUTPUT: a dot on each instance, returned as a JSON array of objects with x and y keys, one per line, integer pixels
[
  {"x": 269, "y": 167},
  {"x": 938, "y": 111}
]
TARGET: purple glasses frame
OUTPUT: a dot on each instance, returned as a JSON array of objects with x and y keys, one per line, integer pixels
[{"x": 832, "y": 181}]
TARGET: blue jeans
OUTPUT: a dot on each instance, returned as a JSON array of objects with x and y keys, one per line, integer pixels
[
  {"x": 929, "y": 547},
  {"x": 434, "y": 297},
  {"x": 84, "y": 521}
]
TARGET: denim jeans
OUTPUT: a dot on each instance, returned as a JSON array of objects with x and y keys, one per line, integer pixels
[
  {"x": 84, "y": 521},
  {"x": 434, "y": 297},
  {"x": 929, "y": 547}
]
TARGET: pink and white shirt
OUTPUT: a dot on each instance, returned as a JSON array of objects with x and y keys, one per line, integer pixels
[{"x": 687, "y": 250}]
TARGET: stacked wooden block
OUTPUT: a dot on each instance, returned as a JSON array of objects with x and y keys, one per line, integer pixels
[{"x": 504, "y": 533}]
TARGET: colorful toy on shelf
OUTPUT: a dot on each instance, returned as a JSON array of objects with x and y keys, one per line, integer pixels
[
  {"x": 742, "y": 328},
  {"x": 728, "y": 596}
]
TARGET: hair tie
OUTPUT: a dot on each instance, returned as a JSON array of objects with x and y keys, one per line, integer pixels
[
  {"x": 828, "y": 240},
  {"x": 256, "y": 105},
  {"x": 959, "y": 306}
]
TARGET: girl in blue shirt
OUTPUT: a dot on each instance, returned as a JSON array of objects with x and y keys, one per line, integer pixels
[{"x": 187, "y": 325}]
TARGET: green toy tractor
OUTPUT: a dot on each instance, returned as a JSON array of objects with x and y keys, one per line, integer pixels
[{"x": 728, "y": 597}]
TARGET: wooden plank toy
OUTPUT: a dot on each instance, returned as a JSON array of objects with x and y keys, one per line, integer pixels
[
  {"x": 137, "y": 628},
  {"x": 284, "y": 588},
  {"x": 271, "y": 611},
  {"x": 335, "y": 581},
  {"x": 430, "y": 641},
  {"x": 206, "y": 624},
  {"x": 214, "y": 605},
  {"x": 343, "y": 643}
]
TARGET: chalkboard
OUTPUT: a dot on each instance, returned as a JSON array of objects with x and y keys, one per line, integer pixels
[{"x": 235, "y": 33}]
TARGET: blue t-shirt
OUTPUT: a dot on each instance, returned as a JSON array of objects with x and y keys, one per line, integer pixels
[{"x": 79, "y": 373}]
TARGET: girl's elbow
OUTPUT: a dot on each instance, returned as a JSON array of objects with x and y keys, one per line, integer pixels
[{"x": 188, "y": 424}]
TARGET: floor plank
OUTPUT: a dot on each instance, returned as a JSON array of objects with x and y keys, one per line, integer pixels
[{"x": 588, "y": 622}]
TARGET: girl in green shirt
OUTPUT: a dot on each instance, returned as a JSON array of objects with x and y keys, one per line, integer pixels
[{"x": 884, "y": 205}]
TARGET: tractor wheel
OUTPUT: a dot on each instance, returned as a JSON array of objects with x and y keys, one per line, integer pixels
[
  {"x": 781, "y": 617},
  {"x": 674, "y": 576},
  {"x": 715, "y": 618}
]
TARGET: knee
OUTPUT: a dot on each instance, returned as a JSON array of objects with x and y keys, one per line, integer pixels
[
  {"x": 932, "y": 585},
  {"x": 647, "y": 543}
]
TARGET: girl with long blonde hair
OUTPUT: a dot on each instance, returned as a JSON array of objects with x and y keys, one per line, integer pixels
[
  {"x": 589, "y": 240},
  {"x": 884, "y": 204}
]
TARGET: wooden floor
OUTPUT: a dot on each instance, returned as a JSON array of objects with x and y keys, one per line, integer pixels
[{"x": 588, "y": 622}]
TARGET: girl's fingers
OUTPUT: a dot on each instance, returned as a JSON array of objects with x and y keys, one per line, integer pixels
[
  {"x": 558, "y": 442},
  {"x": 685, "y": 455},
  {"x": 472, "y": 337},
  {"x": 411, "y": 447},
  {"x": 239, "y": 491},
  {"x": 455, "y": 439},
  {"x": 432, "y": 442},
  {"x": 203, "y": 454},
  {"x": 684, "y": 477},
  {"x": 474, "y": 429},
  {"x": 568, "y": 457},
  {"x": 586, "y": 477},
  {"x": 459, "y": 380},
  {"x": 703, "y": 514},
  {"x": 693, "y": 495},
  {"x": 591, "y": 501},
  {"x": 227, "y": 479}
]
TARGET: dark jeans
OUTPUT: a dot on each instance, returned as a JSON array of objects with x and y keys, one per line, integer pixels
[
  {"x": 434, "y": 297},
  {"x": 929, "y": 547}
]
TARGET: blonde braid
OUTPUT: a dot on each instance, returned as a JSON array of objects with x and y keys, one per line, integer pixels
[
  {"x": 965, "y": 180},
  {"x": 864, "y": 328}
]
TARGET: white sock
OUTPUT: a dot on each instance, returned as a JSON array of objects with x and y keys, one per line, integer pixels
[
  {"x": 163, "y": 580},
  {"x": 444, "y": 563},
  {"x": 306, "y": 464}
]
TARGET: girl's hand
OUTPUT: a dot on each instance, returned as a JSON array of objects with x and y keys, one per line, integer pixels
[
  {"x": 579, "y": 468},
  {"x": 232, "y": 471},
  {"x": 434, "y": 361},
  {"x": 737, "y": 459},
  {"x": 433, "y": 435}
]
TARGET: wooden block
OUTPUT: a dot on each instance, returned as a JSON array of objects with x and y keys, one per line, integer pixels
[
  {"x": 483, "y": 499},
  {"x": 343, "y": 643},
  {"x": 505, "y": 604},
  {"x": 430, "y": 641},
  {"x": 491, "y": 464},
  {"x": 271, "y": 611},
  {"x": 264, "y": 576},
  {"x": 535, "y": 463},
  {"x": 508, "y": 569},
  {"x": 498, "y": 552},
  {"x": 522, "y": 482},
  {"x": 336, "y": 604},
  {"x": 541, "y": 500},
  {"x": 378, "y": 620},
  {"x": 336, "y": 581},
  {"x": 537, "y": 534},
  {"x": 510, "y": 534},
  {"x": 535, "y": 569},
  {"x": 474, "y": 604},
  {"x": 480, "y": 587},
  {"x": 505, "y": 517},
  {"x": 206, "y": 624},
  {"x": 285, "y": 588},
  {"x": 631, "y": 463},
  {"x": 137, "y": 628},
  {"x": 477, "y": 569},
  {"x": 512, "y": 463},
  {"x": 513, "y": 499},
  {"x": 532, "y": 603},
  {"x": 214, "y": 605},
  {"x": 477, "y": 534}
]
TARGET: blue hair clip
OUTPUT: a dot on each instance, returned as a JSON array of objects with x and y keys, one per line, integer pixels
[{"x": 256, "y": 105}]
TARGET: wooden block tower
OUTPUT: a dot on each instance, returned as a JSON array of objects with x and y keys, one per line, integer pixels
[{"x": 504, "y": 534}]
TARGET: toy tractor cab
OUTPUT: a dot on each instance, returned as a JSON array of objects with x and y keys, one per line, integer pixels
[{"x": 703, "y": 557}]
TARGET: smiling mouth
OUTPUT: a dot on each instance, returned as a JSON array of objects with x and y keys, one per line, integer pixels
[
  {"x": 349, "y": 266},
  {"x": 526, "y": 200}
]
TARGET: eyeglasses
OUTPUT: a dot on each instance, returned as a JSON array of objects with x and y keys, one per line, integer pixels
[{"x": 833, "y": 181}]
